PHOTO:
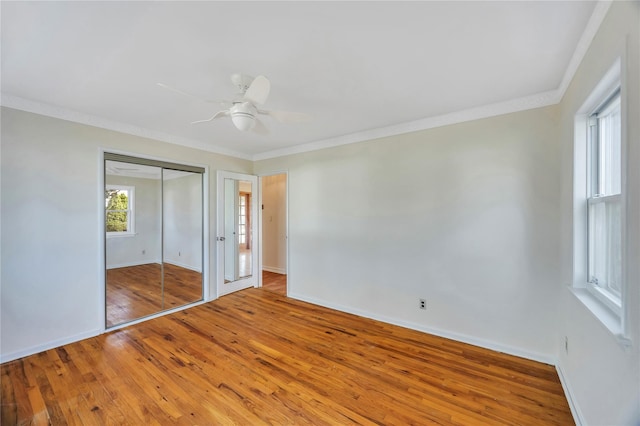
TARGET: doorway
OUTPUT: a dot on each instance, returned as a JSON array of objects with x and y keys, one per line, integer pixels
[
  {"x": 273, "y": 191},
  {"x": 237, "y": 232}
]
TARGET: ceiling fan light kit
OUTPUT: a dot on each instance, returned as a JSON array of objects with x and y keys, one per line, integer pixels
[
  {"x": 243, "y": 110},
  {"x": 243, "y": 116}
]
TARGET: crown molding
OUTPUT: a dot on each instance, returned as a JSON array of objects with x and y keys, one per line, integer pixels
[
  {"x": 492, "y": 110},
  {"x": 15, "y": 102},
  {"x": 597, "y": 16},
  {"x": 529, "y": 102}
]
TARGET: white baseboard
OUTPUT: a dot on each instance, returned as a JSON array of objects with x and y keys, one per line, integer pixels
[
  {"x": 274, "y": 269},
  {"x": 568, "y": 393},
  {"x": 183, "y": 265},
  {"x": 509, "y": 350},
  {"x": 49, "y": 345},
  {"x": 128, "y": 264},
  {"x": 88, "y": 334}
]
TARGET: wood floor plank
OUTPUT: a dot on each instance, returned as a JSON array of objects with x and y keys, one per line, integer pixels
[
  {"x": 274, "y": 282},
  {"x": 257, "y": 357},
  {"x": 137, "y": 291}
]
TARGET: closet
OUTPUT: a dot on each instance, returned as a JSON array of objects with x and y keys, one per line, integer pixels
[{"x": 153, "y": 226}]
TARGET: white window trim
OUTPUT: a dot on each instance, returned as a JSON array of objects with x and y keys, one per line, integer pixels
[
  {"x": 131, "y": 231},
  {"x": 608, "y": 312}
]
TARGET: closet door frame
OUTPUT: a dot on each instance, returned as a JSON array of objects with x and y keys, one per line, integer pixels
[{"x": 112, "y": 154}]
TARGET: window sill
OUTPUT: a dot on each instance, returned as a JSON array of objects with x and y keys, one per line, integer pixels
[
  {"x": 121, "y": 234},
  {"x": 609, "y": 319}
]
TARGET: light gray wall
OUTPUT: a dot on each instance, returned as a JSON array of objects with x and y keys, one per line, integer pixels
[
  {"x": 145, "y": 246},
  {"x": 183, "y": 221},
  {"x": 603, "y": 375},
  {"x": 51, "y": 278},
  {"x": 465, "y": 216},
  {"x": 274, "y": 222}
]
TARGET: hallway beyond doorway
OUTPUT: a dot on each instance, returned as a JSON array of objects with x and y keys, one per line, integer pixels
[{"x": 274, "y": 282}]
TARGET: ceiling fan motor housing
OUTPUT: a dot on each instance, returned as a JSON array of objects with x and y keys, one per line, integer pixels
[
  {"x": 242, "y": 82},
  {"x": 243, "y": 115}
]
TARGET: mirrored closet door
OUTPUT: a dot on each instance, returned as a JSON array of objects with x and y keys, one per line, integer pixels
[{"x": 154, "y": 237}]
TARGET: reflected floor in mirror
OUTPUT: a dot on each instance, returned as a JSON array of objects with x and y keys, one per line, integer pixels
[
  {"x": 244, "y": 263},
  {"x": 274, "y": 282},
  {"x": 135, "y": 291}
]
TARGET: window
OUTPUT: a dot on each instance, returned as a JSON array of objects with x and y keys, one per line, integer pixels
[
  {"x": 604, "y": 203},
  {"x": 119, "y": 214},
  {"x": 599, "y": 204},
  {"x": 242, "y": 220}
]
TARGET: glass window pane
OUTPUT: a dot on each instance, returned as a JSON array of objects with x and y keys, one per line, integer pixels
[
  {"x": 117, "y": 199},
  {"x": 117, "y": 222},
  {"x": 610, "y": 139},
  {"x": 124, "y": 198},
  {"x": 605, "y": 245}
]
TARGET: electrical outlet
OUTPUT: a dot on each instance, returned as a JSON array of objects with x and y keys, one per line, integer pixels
[
  {"x": 144, "y": 252},
  {"x": 423, "y": 304},
  {"x": 179, "y": 253},
  {"x": 566, "y": 345}
]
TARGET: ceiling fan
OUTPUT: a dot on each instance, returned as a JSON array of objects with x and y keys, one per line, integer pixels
[{"x": 244, "y": 108}]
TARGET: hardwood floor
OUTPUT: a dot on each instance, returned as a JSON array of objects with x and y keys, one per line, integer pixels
[
  {"x": 136, "y": 291},
  {"x": 255, "y": 357},
  {"x": 274, "y": 282}
]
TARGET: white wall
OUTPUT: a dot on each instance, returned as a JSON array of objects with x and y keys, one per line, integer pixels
[
  {"x": 145, "y": 246},
  {"x": 51, "y": 278},
  {"x": 274, "y": 223},
  {"x": 465, "y": 216},
  {"x": 182, "y": 200},
  {"x": 603, "y": 375}
]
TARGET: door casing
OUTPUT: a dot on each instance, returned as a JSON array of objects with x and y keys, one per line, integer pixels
[{"x": 242, "y": 283}]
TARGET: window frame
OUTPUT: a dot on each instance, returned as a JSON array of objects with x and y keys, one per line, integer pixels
[
  {"x": 604, "y": 292},
  {"x": 130, "y": 211},
  {"x": 617, "y": 323}
]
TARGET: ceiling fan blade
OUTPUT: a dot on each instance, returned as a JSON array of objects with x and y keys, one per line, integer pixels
[
  {"x": 218, "y": 114},
  {"x": 287, "y": 116},
  {"x": 258, "y": 91},
  {"x": 260, "y": 128}
]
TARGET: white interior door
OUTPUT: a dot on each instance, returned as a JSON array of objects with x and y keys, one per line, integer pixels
[
  {"x": 231, "y": 252},
  {"x": 237, "y": 232}
]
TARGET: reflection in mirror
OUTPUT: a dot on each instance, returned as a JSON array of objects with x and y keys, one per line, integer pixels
[
  {"x": 154, "y": 237},
  {"x": 182, "y": 235},
  {"x": 237, "y": 230},
  {"x": 133, "y": 245}
]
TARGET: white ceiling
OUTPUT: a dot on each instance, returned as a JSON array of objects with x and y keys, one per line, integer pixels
[{"x": 360, "y": 69}]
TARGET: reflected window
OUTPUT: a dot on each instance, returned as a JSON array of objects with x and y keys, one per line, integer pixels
[
  {"x": 242, "y": 220},
  {"x": 119, "y": 215}
]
